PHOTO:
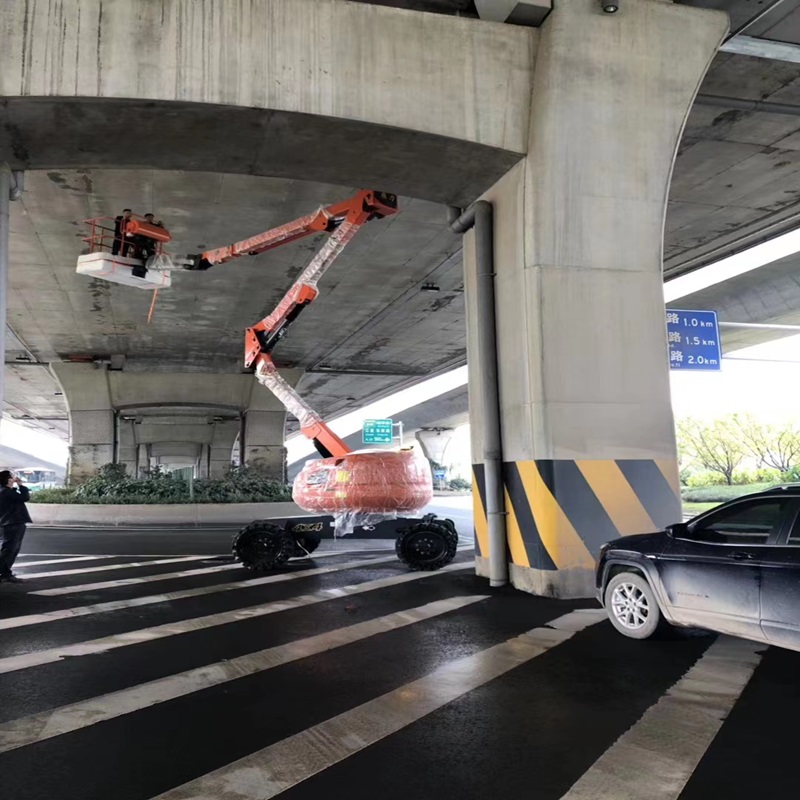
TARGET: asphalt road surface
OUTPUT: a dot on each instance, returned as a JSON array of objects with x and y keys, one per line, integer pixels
[{"x": 176, "y": 676}]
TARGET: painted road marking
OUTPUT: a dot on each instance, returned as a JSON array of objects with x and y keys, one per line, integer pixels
[
  {"x": 116, "y": 605},
  {"x": 656, "y": 757},
  {"x": 276, "y": 768},
  {"x": 112, "y": 584},
  {"x": 61, "y": 560},
  {"x": 106, "y": 643},
  {"x": 38, "y": 727},
  {"x": 127, "y": 565}
]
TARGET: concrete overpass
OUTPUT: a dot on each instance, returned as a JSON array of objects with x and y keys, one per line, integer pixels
[{"x": 223, "y": 135}]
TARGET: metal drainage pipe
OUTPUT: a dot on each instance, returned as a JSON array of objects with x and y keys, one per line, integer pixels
[
  {"x": 10, "y": 189},
  {"x": 481, "y": 216}
]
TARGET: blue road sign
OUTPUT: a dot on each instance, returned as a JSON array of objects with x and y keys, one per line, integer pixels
[
  {"x": 693, "y": 338},
  {"x": 377, "y": 431},
  {"x": 439, "y": 474}
]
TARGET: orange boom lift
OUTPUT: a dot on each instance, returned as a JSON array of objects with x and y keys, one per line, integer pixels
[{"x": 358, "y": 489}]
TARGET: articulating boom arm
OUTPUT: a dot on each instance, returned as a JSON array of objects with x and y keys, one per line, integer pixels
[
  {"x": 325, "y": 220},
  {"x": 343, "y": 221}
]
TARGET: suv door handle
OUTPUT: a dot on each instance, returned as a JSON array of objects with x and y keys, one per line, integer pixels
[{"x": 740, "y": 556}]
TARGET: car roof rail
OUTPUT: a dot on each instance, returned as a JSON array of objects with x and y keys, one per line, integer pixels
[{"x": 782, "y": 487}]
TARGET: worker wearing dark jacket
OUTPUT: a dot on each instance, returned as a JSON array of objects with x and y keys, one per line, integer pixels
[{"x": 14, "y": 517}]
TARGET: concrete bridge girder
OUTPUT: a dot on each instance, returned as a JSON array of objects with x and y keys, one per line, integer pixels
[
  {"x": 103, "y": 424},
  {"x": 141, "y": 85}
]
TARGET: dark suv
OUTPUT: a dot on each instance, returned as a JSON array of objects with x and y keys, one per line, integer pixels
[{"x": 735, "y": 570}]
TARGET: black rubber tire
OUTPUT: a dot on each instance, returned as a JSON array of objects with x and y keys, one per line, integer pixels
[
  {"x": 427, "y": 546},
  {"x": 626, "y": 623},
  {"x": 262, "y": 546},
  {"x": 304, "y": 544}
]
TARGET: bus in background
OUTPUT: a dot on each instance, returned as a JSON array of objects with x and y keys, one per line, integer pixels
[{"x": 36, "y": 479}]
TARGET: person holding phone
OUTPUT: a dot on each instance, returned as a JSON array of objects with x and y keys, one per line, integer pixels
[{"x": 14, "y": 518}]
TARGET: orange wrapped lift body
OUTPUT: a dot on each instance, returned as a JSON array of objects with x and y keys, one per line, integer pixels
[{"x": 370, "y": 481}]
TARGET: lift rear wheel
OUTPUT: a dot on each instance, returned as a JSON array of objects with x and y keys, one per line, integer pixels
[
  {"x": 263, "y": 546},
  {"x": 427, "y": 546}
]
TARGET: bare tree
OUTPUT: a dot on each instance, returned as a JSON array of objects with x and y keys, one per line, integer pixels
[{"x": 717, "y": 446}]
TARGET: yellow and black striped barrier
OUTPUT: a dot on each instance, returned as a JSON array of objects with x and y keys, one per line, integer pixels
[{"x": 560, "y": 512}]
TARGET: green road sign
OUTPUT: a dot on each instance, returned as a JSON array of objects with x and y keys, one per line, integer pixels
[{"x": 377, "y": 431}]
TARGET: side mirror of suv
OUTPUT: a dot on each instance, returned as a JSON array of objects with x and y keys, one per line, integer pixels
[{"x": 679, "y": 530}]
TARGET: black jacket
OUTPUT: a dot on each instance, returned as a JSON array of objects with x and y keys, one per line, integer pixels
[{"x": 13, "y": 510}]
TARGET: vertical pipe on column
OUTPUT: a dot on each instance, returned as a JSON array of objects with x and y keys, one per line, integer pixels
[
  {"x": 5, "y": 199},
  {"x": 481, "y": 216}
]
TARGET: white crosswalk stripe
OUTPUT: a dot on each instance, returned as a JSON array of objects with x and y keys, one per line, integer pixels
[
  {"x": 48, "y": 561},
  {"x": 276, "y": 768},
  {"x": 107, "y": 643},
  {"x": 107, "y": 567},
  {"x": 115, "y": 584},
  {"x": 116, "y": 605},
  {"x": 165, "y": 576},
  {"x": 38, "y": 727},
  {"x": 658, "y": 755}
]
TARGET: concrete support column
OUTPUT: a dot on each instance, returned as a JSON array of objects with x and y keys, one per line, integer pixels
[
  {"x": 264, "y": 426},
  {"x": 434, "y": 443},
  {"x": 264, "y": 433},
  {"x": 127, "y": 449},
  {"x": 220, "y": 451},
  {"x": 587, "y": 428},
  {"x": 143, "y": 463},
  {"x": 202, "y": 468},
  {"x": 91, "y": 417}
]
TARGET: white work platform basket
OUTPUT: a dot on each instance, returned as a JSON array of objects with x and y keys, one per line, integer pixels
[{"x": 119, "y": 269}]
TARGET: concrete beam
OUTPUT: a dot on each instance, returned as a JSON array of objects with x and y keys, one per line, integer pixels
[
  {"x": 142, "y": 418},
  {"x": 762, "y": 48},
  {"x": 186, "y": 85},
  {"x": 514, "y": 12}
]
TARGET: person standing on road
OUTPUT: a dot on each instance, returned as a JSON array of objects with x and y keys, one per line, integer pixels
[{"x": 14, "y": 517}]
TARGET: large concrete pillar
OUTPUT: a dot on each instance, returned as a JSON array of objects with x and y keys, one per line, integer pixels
[
  {"x": 263, "y": 428},
  {"x": 127, "y": 447},
  {"x": 91, "y": 417},
  {"x": 434, "y": 442},
  {"x": 587, "y": 428},
  {"x": 263, "y": 442},
  {"x": 143, "y": 460},
  {"x": 220, "y": 449}
]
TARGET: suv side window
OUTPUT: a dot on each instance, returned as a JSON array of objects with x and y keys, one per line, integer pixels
[
  {"x": 748, "y": 523},
  {"x": 794, "y": 534}
]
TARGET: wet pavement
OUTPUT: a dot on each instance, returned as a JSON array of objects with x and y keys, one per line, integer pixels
[{"x": 132, "y": 674}]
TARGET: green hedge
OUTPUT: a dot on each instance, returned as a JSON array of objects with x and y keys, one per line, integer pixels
[
  {"x": 114, "y": 488},
  {"x": 721, "y": 494}
]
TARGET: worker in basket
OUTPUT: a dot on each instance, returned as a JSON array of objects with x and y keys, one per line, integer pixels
[
  {"x": 120, "y": 242},
  {"x": 145, "y": 247}
]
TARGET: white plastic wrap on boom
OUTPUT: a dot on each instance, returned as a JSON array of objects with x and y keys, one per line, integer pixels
[{"x": 267, "y": 375}]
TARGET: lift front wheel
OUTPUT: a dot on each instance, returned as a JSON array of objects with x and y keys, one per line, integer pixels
[
  {"x": 263, "y": 546},
  {"x": 427, "y": 546}
]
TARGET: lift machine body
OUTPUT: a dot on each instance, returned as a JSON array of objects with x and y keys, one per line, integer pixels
[{"x": 367, "y": 490}]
